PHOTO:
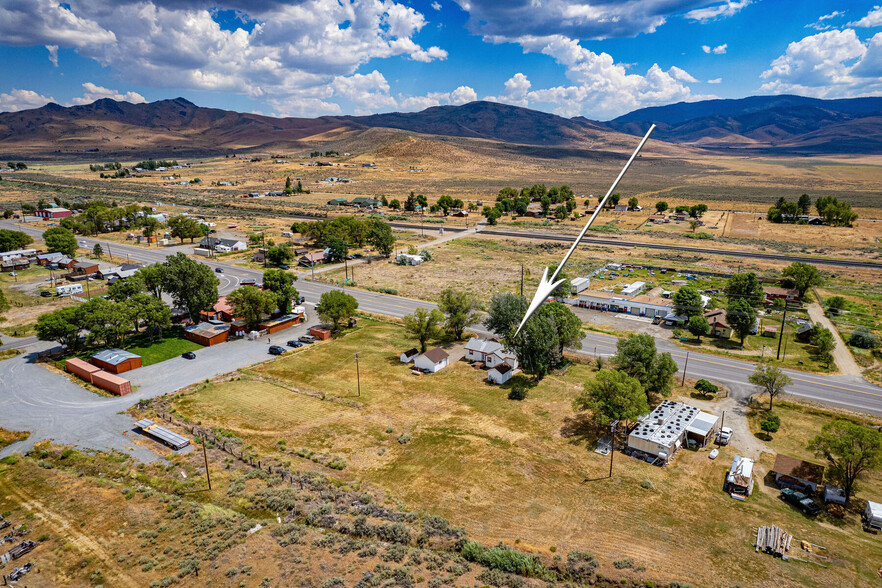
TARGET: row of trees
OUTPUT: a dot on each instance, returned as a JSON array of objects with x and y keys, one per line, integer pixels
[
  {"x": 456, "y": 311},
  {"x": 19, "y": 165},
  {"x": 350, "y": 230},
  {"x": 252, "y": 303},
  {"x": 830, "y": 209},
  {"x": 695, "y": 210},
  {"x": 101, "y": 217}
]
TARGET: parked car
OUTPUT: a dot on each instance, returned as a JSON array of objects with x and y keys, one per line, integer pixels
[
  {"x": 46, "y": 294},
  {"x": 800, "y": 501},
  {"x": 307, "y": 339},
  {"x": 357, "y": 255},
  {"x": 724, "y": 436},
  {"x": 714, "y": 453},
  {"x": 294, "y": 344},
  {"x": 188, "y": 355},
  {"x": 284, "y": 266},
  {"x": 248, "y": 282},
  {"x": 219, "y": 270},
  {"x": 302, "y": 300},
  {"x": 276, "y": 350}
]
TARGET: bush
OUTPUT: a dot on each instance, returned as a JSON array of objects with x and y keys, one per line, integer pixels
[
  {"x": 404, "y": 439},
  {"x": 677, "y": 332},
  {"x": 863, "y": 338},
  {"x": 504, "y": 559},
  {"x": 621, "y": 564},
  {"x": 706, "y": 387},
  {"x": 771, "y": 424},
  {"x": 518, "y": 391}
]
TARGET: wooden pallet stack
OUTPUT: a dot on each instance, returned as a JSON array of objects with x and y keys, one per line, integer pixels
[{"x": 773, "y": 540}]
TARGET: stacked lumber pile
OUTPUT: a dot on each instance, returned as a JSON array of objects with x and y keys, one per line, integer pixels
[{"x": 773, "y": 540}]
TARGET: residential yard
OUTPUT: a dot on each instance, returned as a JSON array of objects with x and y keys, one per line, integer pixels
[
  {"x": 172, "y": 344},
  {"x": 520, "y": 472}
]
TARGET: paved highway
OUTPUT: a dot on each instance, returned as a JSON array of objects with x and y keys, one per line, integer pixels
[{"x": 842, "y": 391}]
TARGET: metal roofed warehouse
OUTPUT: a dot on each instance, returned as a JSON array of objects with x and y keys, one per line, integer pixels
[
  {"x": 116, "y": 361},
  {"x": 664, "y": 430}
]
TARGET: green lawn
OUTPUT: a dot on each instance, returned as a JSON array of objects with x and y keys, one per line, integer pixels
[{"x": 172, "y": 345}]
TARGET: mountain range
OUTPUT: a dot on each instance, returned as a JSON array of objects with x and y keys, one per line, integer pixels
[{"x": 783, "y": 125}]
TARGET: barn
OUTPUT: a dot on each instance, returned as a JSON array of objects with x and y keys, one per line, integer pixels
[{"x": 116, "y": 361}]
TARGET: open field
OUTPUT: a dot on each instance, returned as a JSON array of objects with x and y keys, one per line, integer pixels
[{"x": 516, "y": 471}]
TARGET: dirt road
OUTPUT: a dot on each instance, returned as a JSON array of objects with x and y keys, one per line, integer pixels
[{"x": 841, "y": 355}]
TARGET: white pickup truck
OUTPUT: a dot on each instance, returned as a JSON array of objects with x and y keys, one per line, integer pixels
[{"x": 724, "y": 436}]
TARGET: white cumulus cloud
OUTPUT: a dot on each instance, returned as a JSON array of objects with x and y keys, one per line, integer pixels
[
  {"x": 830, "y": 64},
  {"x": 715, "y": 81},
  {"x": 726, "y": 9},
  {"x": 93, "y": 92},
  {"x": 436, "y": 5},
  {"x": 461, "y": 95},
  {"x": 17, "y": 100},
  {"x": 53, "y": 54},
  {"x": 718, "y": 50},
  {"x": 872, "y": 19}
]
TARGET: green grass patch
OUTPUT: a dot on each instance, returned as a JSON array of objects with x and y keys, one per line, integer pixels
[{"x": 171, "y": 345}]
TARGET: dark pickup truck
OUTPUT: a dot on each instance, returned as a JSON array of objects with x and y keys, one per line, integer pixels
[{"x": 800, "y": 501}]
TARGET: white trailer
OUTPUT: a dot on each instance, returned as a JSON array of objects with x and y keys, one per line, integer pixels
[
  {"x": 873, "y": 515},
  {"x": 68, "y": 289}
]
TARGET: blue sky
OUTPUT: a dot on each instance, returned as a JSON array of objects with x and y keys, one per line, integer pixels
[{"x": 595, "y": 58}]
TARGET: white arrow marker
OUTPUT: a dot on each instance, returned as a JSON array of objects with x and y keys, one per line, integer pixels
[{"x": 546, "y": 285}]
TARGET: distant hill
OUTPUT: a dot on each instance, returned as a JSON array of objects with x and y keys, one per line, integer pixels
[
  {"x": 489, "y": 120},
  {"x": 114, "y": 126},
  {"x": 783, "y": 124},
  {"x": 759, "y": 124}
]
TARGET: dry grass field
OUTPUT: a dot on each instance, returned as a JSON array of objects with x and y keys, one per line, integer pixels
[{"x": 521, "y": 472}]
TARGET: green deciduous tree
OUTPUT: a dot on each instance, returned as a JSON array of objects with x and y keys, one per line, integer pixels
[
  {"x": 770, "y": 425},
  {"x": 336, "y": 306},
  {"x": 424, "y": 324},
  {"x": 97, "y": 250},
  {"x": 281, "y": 284},
  {"x": 151, "y": 313},
  {"x": 803, "y": 276},
  {"x": 183, "y": 227},
  {"x": 492, "y": 214},
  {"x": 741, "y": 316},
  {"x": 661, "y": 206},
  {"x": 459, "y": 308},
  {"x": 613, "y": 396},
  {"x": 62, "y": 326},
  {"x": 770, "y": 380},
  {"x": 804, "y": 204},
  {"x": 279, "y": 254},
  {"x": 698, "y": 326},
  {"x": 153, "y": 277},
  {"x": 566, "y": 323},
  {"x": 632, "y": 202},
  {"x": 381, "y": 238},
  {"x": 446, "y": 202},
  {"x": 289, "y": 189},
  {"x": 823, "y": 339},
  {"x": 687, "y": 301},
  {"x": 636, "y": 355},
  {"x": 61, "y": 240},
  {"x": 537, "y": 346},
  {"x": 11, "y": 240},
  {"x": 746, "y": 287},
  {"x": 850, "y": 449},
  {"x": 337, "y": 249},
  {"x": 251, "y": 304},
  {"x": 192, "y": 285},
  {"x": 505, "y": 313}
]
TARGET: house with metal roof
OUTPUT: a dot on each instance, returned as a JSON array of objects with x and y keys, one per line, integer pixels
[
  {"x": 207, "y": 333},
  {"x": 116, "y": 361},
  {"x": 478, "y": 349},
  {"x": 222, "y": 245},
  {"x": 796, "y": 473}
]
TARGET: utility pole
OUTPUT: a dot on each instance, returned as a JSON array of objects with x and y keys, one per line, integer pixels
[
  {"x": 263, "y": 238},
  {"x": 781, "y": 338},
  {"x": 784, "y": 353},
  {"x": 683, "y": 383},
  {"x": 345, "y": 271},
  {"x": 612, "y": 445},
  {"x": 357, "y": 375},
  {"x": 205, "y": 456},
  {"x": 313, "y": 270},
  {"x": 763, "y": 354},
  {"x": 722, "y": 422},
  {"x": 522, "y": 280}
]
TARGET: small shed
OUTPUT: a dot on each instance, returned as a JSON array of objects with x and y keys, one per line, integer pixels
[
  {"x": 770, "y": 332},
  {"x": 796, "y": 473},
  {"x": 238, "y": 328},
  {"x": 320, "y": 333},
  {"x": 739, "y": 480},
  {"x": 500, "y": 374},
  {"x": 409, "y": 355},
  {"x": 207, "y": 333},
  {"x": 280, "y": 323},
  {"x": 873, "y": 515},
  {"x": 81, "y": 369},
  {"x": 703, "y": 428},
  {"x": 112, "y": 383},
  {"x": 116, "y": 361},
  {"x": 805, "y": 332},
  {"x": 433, "y": 360}
]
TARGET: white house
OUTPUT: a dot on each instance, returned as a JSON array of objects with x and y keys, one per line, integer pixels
[
  {"x": 633, "y": 289},
  {"x": 409, "y": 355},
  {"x": 432, "y": 361},
  {"x": 223, "y": 245},
  {"x": 500, "y": 374},
  {"x": 500, "y": 357},
  {"x": 478, "y": 349}
]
